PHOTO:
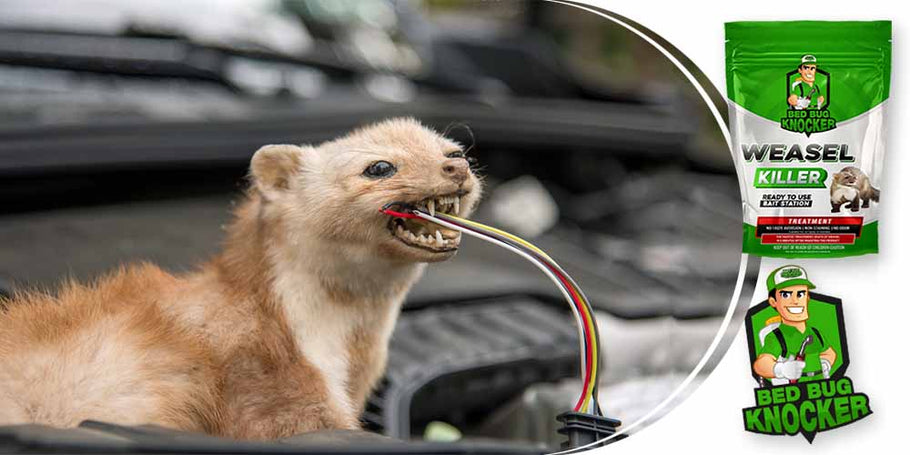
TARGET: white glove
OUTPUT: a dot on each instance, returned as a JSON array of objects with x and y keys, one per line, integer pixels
[
  {"x": 826, "y": 369},
  {"x": 789, "y": 369},
  {"x": 802, "y": 102}
]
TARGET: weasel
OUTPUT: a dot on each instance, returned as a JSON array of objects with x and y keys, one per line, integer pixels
[
  {"x": 285, "y": 331},
  {"x": 851, "y": 185}
]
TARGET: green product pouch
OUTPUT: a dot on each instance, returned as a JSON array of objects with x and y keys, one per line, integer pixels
[{"x": 807, "y": 114}]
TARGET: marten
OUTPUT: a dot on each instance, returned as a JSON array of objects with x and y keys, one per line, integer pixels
[
  {"x": 285, "y": 331},
  {"x": 850, "y": 186}
]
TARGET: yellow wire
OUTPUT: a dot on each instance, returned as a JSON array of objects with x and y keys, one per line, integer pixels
[
  {"x": 502, "y": 233},
  {"x": 589, "y": 391}
]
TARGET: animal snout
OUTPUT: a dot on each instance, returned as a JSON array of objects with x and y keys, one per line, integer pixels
[{"x": 455, "y": 169}]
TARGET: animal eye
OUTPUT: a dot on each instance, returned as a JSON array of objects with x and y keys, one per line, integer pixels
[{"x": 380, "y": 170}]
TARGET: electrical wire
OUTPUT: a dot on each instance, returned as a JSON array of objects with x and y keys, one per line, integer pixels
[
  {"x": 560, "y": 282},
  {"x": 592, "y": 393},
  {"x": 587, "y": 319},
  {"x": 578, "y": 302}
]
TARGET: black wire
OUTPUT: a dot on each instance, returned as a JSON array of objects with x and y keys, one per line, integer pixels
[{"x": 467, "y": 128}]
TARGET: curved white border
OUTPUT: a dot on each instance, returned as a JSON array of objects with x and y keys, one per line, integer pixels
[
  {"x": 744, "y": 259},
  {"x": 692, "y": 80}
]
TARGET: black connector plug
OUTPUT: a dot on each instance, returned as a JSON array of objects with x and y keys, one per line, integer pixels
[{"x": 583, "y": 429}]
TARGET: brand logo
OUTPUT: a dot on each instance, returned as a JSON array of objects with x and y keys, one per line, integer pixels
[
  {"x": 798, "y": 351},
  {"x": 808, "y": 97}
]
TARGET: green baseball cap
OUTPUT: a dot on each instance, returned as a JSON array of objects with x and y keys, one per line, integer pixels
[
  {"x": 788, "y": 275},
  {"x": 808, "y": 58}
]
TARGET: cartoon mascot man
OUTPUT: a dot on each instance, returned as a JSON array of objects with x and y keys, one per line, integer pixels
[
  {"x": 792, "y": 348},
  {"x": 804, "y": 89}
]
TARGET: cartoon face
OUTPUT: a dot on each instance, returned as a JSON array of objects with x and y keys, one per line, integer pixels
[
  {"x": 335, "y": 193},
  {"x": 791, "y": 302},
  {"x": 807, "y": 71}
]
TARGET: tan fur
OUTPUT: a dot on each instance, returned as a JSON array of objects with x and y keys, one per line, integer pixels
[
  {"x": 285, "y": 331},
  {"x": 851, "y": 186}
]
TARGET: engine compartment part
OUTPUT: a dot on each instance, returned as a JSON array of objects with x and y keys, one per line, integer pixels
[
  {"x": 479, "y": 353},
  {"x": 584, "y": 430}
]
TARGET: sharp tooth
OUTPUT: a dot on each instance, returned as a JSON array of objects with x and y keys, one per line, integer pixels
[
  {"x": 412, "y": 236},
  {"x": 431, "y": 207},
  {"x": 400, "y": 229},
  {"x": 457, "y": 206},
  {"x": 439, "y": 240}
]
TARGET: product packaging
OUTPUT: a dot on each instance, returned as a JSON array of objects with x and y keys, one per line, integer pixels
[{"x": 807, "y": 115}]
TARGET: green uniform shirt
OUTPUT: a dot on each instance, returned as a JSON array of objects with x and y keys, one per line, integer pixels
[
  {"x": 793, "y": 339},
  {"x": 803, "y": 89}
]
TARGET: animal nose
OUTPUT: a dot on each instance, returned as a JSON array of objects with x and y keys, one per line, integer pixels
[{"x": 455, "y": 169}]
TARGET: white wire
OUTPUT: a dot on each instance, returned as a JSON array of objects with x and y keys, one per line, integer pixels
[{"x": 544, "y": 269}]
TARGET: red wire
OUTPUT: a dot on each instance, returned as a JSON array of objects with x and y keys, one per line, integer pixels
[
  {"x": 398, "y": 214},
  {"x": 589, "y": 354},
  {"x": 588, "y": 342}
]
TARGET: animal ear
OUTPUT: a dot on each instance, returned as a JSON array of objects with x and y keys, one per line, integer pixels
[{"x": 274, "y": 166}]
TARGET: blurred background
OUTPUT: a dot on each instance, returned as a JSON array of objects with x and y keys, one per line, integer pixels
[{"x": 126, "y": 130}]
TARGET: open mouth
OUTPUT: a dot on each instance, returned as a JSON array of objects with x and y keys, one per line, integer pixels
[
  {"x": 427, "y": 235},
  {"x": 795, "y": 309}
]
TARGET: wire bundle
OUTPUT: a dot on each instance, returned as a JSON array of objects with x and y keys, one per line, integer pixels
[{"x": 584, "y": 315}]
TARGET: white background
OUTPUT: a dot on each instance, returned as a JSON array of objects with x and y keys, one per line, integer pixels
[{"x": 875, "y": 289}]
